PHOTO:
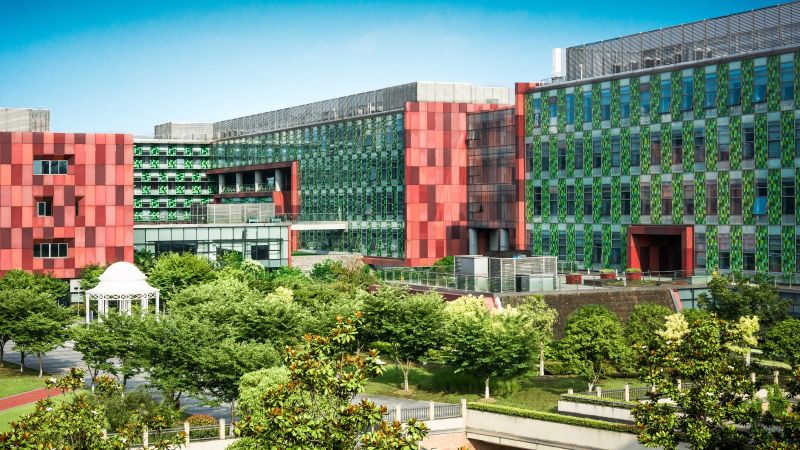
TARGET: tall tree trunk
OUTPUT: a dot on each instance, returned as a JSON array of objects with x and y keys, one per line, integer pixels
[
  {"x": 21, "y": 362},
  {"x": 406, "y": 369},
  {"x": 233, "y": 410},
  {"x": 486, "y": 388},
  {"x": 541, "y": 360},
  {"x": 39, "y": 358},
  {"x": 2, "y": 352}
]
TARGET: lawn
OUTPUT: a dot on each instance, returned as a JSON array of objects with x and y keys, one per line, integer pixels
[
  {"x": 13, "y": 414},
  {"x": 440, "y": 385},
  {"x": 13, "y": 382}
]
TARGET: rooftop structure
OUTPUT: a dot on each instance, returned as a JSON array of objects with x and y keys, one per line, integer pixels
[
  {"x": 199, "y": 131},
  {"x": 24, "y": 119}
]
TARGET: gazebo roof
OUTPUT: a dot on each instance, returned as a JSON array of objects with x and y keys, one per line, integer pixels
[{"x": 122, "y": 278}]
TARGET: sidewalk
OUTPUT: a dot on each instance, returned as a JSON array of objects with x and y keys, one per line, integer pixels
[{"x": 12, "y": 401}]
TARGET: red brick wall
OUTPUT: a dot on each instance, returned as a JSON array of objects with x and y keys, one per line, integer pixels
[
  {"x": 436, "y": 180},
  {"x": 99, "y": 180}
]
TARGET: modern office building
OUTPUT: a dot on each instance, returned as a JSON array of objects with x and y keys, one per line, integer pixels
[
  {"x": 675, "y": 149},
  {"x": 66, "y": 201},
  {"x": 391, "y": 164}
]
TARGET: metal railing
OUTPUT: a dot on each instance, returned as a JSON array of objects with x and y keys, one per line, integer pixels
[
  {"x": 415, "y": 413},
  {"x": 447, "y": 411}
]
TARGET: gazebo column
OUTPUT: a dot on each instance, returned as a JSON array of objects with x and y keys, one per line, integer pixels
[
  {"x": 88, "y": 311},
  {"x": 157, "y": 305}
]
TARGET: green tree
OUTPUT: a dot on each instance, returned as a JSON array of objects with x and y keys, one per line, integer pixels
[
  {"x": 90, "y": 276},
  {"x": 42, "y": 332},
  {"x": 276, "y": 318},
  {"x": 593, "y": 343},
  {"x": 125, "y": 332},
  {"x": 12, "y": 311},
  {"x": 487, "y": 344},
  {"x": 645, "y": 320},
  {"x": 444, "y": 265},
  {"x": 173, "y": 272},
  {"x": 541, "y": 319},
  {"x": 314, "y": 409},
  {"x": 745, "y": 297},
  {"x": 410, "y": 324},
  {"x": 97, "y": 346},
  {"x": 252, "y": 387},
  {"x": 42, "y": 284},
  {"x": 144, "y": 259},
  {"x": 782, "y": 342}
]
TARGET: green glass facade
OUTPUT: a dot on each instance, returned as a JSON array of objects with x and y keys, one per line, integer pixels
[
  {"x": 168, "y": 179},
  {"x": 351, "y": 170},
  {"x": 712, "y": 145}
]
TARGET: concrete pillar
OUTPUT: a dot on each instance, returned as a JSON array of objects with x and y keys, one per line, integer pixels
[
  {"x": 776, "y": 380},
  {"x": 680, "y": 384},
  {"x": 627, "y": 392},
  {"x": 258, "y": 179},
  {"x": 473, "y": 241},
  {"x": 239, "y": 181},
  {"x": 599, "y": 392},
  {"x": 570, "y": 391},
  {"x": 503, "y": 237},
  {"x": 398, "y": 410},
  {"x": 221, "y": 183},
  {"x": 187, "y": 429},
  {"x": 431, "y": 410},
  {"x": 278, "y": 179},
  {"x": 145, "y": 438},
  {"x": 747, "y": 359},
  {"x": 88, "y": 311},
  {"x": 464, "y": 408},
  {"x": 222, "y": 429},
  {"x": 753, "y": 377}
]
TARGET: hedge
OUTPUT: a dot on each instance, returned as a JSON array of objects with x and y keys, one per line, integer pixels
[
  {"x": 552, "y": 417},
  {"x": 592, "y": 400}
]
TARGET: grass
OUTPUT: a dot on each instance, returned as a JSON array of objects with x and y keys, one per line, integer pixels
[
  {"x": 528, "y": 391},
  {"x": 14, "y": 414},
  {"x": 13, "y": 382}
]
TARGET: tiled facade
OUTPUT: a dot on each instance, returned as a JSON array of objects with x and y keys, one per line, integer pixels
[{"x": 86, "y": 204}]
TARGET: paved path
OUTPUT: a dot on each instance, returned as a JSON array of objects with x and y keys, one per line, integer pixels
[{"x": 12, "y": 401}]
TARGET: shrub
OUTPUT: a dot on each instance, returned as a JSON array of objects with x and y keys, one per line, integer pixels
[
  {"x": 202, "y": 420},
  {"x": 446, "y": 380},
  {"x": 553, "y": 417},
  {"x": 608, "y": 271},
  {"x": 633, "y": 270},
  {"x": 778, "y": 403}
]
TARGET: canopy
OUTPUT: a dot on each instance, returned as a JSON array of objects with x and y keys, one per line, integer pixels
[{"x": 122, "y": 282}]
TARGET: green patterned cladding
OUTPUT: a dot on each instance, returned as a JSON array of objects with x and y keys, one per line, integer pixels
[
  {"x": 596, "y": 199},
  {"x": 562, "y": 200},
  {"x": 700, "y": 198},
  {"x": 625, "y": 151},
  {"x": 536, "y": 239},
  {"x": 587, "y": 153},
  {"x": 645, "y": 152},
  {"x": 588, "y": 230},
  {"x": 699, "y": 81},
  {"x": 677, "y": 198},
  {"x": 797, "y": 79},
  {"x": 570, "y": 242},
  {"x": 606, "y": 250},
  {"x": 578, "y": 101},
  {"x": 655, "y": 95},
  {"x": 711, "y": 145},
  {"x": 797, "y": 201},
  {"x": 761, "y": 141},
  {"x": 773, "y": 83},
  {"x": 774, "y": 197},
  {"x": 615, "y": 106},
  {"x": 578, "y": 199},
  {"x": 762, "y": 250},
  {"x": 736, "y": 248},
  {"x": 722, "y": 94},
  {"x": 529, "y": 201},
  {"x": 712, "y": 258},
  {"x": 561, "y": 107},
  {"x": 605, "y": 145},
  {"x": 570, "y": 155},
  {"x": 545, "y": 113},
  {"x": 596, "y": 113},
  {"x": 747, "y": 86},
  {"x": 736, "y": 142},
  {"x": 537, "y": 157},
  {"x": 788, "y": 248},
  {"x": 636, "y": 103},
  {"x": 675, "y": 98},
  {"x": 528, "y": 114},
  {"x": 553, "y": 155},
  {"x": 748, "y": 196},
  {"x": 636, "y": 206},
  {"x": 655, "y": 198},
  {"x": 666, "y": 147},
  {"x": 616, "y": 208},
  {"x": 554, "y": 239},
  {"x": 623, "y": 232},
  {"x": 787, "y": 139},
  {"x": 688, "y": 147}
]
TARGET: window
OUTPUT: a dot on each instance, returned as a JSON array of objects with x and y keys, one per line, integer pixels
[
  {"x": 748, "y": 141},
  {"x": 711, "y": 198},
  {"x": 723, "y": 142},
  {"x": 562, "y": 245},
  {"x": 655, "y": 148},
  {"x": 762, "y": 193},
  {"x": 773, "y": 139},
  {"x": 797, "y": 137},
  {"x": 734, "y": 87},
  {"x": 774, "y": 252},
  {"x": 545, "y": 242},
  {"x": 597, "y": 247},
  {"x": 552, "y": 106},
  {"x": 545, "y": 156},
  {"x": 553, "y": 200},
  {"x": 50, "y": 250},
  {"x": 666, "y": 199},
  {"x": 787, "y": 196},
  {"x": 710, "y": 100},
  {"x": 666, "y": 94},
  {"x": 625, "y": 197},
  {"x": 562, "y": 155},
  {"x": 578, "y": 152},
  {"x": 570, "y": 200},
  {"x": 616, "y": 249},
  {"x": 644, "y": 198},
  {"x": 677, "y": 146},
  {"x": 587, "y": 106},
  {"x": 570, "y": 101},
  {"x": 537, "y": 201},
  {"x": 687, "y": 93},
  {"x": 259, "y": 252},
  {"x": 644, "y": 98},
  {"x": 605, "y": 104},
  {"x": 605, "y": 204},
  {"x": 688, "y": 198},
  {"x": 624, "y": 102},
  {"x": 787, "y": 81},
  {"x": 579, "y": 245},
  {"x": 49, "y": 167},
  {"x": 537, "y": 111},
  {"x": 699, "y": 145},
  {"x": 636, "y": 150},
  {"x": 597, "y": 153},
  {"x": 736, "y": 197},
  {"x": 700, "y": 250},
  {"x": 44, "y": 207},
  {"x": 587, "y": 199},
  {"x": 759, "y": 84},
  {"x": 749, "y": 252},
  {"x": 724, "y": 250},
  {"x": 614, "y": 151}
]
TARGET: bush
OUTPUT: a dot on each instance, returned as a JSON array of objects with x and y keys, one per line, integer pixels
[
  {"x": 120, "y": 409},
  {"x": 202, "y": 420},
  {"x": 608, "y": 271},
  {"x": 553, "y": 417},
  {"x": 778, "y": 403},
  {"x": 446, "y": 380},
  {"x": 633, "y": 270}
]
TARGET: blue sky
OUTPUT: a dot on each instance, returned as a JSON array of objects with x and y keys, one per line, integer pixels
[{"x": 125, "y": 66}]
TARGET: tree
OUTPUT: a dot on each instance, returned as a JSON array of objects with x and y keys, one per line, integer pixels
[
  {"x": 97, "y": 346},
  {"x": 782, "y": 342},
  {"x": 276, "y": 318},
  {"x": 314, "y": 408},
  {"x": 252, "y": 387},
  {"x": 593, "y": 343},
  {"x": 541, "y": 319},
  {"x": 486, "y": 344},
  {"x": 41, "y": 333},
  {"x": 707, "y": 354},
  {"x": 172, "y": 272},
  {"x": 745, "y": 297},
  {"x": 42, "y": 284},
  {"x": 12, "y": 311},
  {"x": 144, "y": 259},
  {"x": 645, "y": 320},
  {"x": 410, "y": 324},
  {"x": 90, "y": 276}
]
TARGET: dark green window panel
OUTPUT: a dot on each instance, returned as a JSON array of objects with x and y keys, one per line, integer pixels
[
  {"x": 606, "y": 249},
  {"x": 787, "y": 139},
  {"x": 529, "y": 201},
  {"x": 605, "y": 143},
  {"x": 698, "y": 100},
  {"x": 655, "y": 96},
  {"x": 537, "y": 158},
  {"x": 699, "y": 198},
  {"x": 723, "y": 198},
  {"x": 615, "y": 106},
  {"x": 655, "y": 198},
  {"x": 666, "y": 147},
  {"x": 722, "y": 89},
  {"x": 578, "y": 93},
  {"x": 536, "y": 240},
  {"x": 748, "y": 196},
  {"x": 644, "y": 134},
  {"x": 596, "y": 112},
  {"x": 788, "y": 249},
  {"x": 570, "y": 172},
  {"x": 596, "y": 199},
  {"x": 545, "y": 110},
  {"x": 587, "y": 153},
  {"x": 561, "y": 102},
  {"x": 736, "y": 142},
  {"x": 675, "y": 98},
  {"x": 623, "y": 231},
  {"x": 761, "y": 141},
  {"x": 636, "y": 206},
  {"x": 711, "y": 145},
  {"x": 774, "y": 197},
  {"x": 528, "y": 102},
  {"x": 688, "y": 147},
  {"x": 712, "y": 257},
  {"x": 570, "y": 242},
  {"x": 773, "y": 83},
  {"x": 636, "y": 102},
  {"x": 578, "y": 199},
  {"x": 747, "y": 86},
  {"x": 616, "y": 207},
  {"x": 553, "y": 155},
  {"x": 762, "y": 250},
  {"x": 554, "y": 239},
  {"x": 588, "y": 236},
  {"x": 677, "y": 198},
  {"x": 562, "y": 200},
  {"x": 625, "y": 150},
  {"x": 736, "y": 248}
]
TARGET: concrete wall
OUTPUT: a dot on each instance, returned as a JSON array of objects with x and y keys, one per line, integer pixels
[{"x": 593, "y": 410}]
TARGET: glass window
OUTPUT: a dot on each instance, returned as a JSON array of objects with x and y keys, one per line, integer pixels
[
  {"x": 700, "y": 250},
  {"x": 625, "y": 102},
  {"x": 615, "y": 151},
  {"x": 666, "y": 94},
  {"x": 587, "y": 199},
  {"x": 724, "y": 250},
  {"x": 552, "y": 104},
  {"x": 644, "y": 98},
  {"x": 723, "y": 142},
  {"x": 748, "y": 141},
  {"x": 553, "y": 200},
  {"x": 711, "y": 198},
  {"x": 710, "y": 100},
  {"x": 625, "y": 197},
  {"x": 562, "y": 245},
  {"x": 537, "y": 111},
  {"x": 578, "y": 152},
  {"x": 644, "y": 198},
  {"x": 699, "y": 145},
  {"x": 537, "y": 201},
  {"x": 655, "y": 148},
  {"x": 787, "y": 196},
  {"x": 636, "y": 150},
  {"x": 773, "y": 139},
  {"x": 666, "y": 198},
  {"x": 597, "y": 247},
  {"x": 749, "y": 252},
  {"x": 734, "y": 87},
  {"x": 687, "y": 93},
  {"x": 44, "y": 207},
  {"x": 762, "y": 193},
  {"x": 562, "y": 155},
  {"x": 50, "y": 250},
  {"x": 616, "y": 249},
  {"x": 688, "y": 198},
  {"x": 570, "y": 101},
  {"x": 50, "y": 167},
  {"x": 597, "y": 153},
  {"x": 759, "y": 84},
  {"x": 605, "y": 204},
  {"x": 570, "y": 200},
  {"x": 579, "y": 245},
  {"x": 677, "y": 146},
  {"x": 736, "y": 197},
  {"x": 545, "y": 156},
  {"x": 605, "y": 104},
  {"x": 774, "y": 252},
  {"x": 545, "y": 242},
  {"x": 587, "y": 106},
  {"x": 787, "y": 81}
]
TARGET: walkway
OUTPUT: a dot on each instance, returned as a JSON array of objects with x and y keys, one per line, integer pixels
[{"x": 12, "y": 401}]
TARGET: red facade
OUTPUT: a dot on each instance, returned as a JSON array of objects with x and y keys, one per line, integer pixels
[{"x": 90, "y": 207}]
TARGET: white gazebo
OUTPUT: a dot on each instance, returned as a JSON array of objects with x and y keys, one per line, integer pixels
[{"x": 123, "y": 283}]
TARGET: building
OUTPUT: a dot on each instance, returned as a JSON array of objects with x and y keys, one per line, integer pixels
[
  {"x": 66, "y": 201},
  {"x": 198, "y": 131},
  {"x": 24, "y": 119},
  {"x": 672, "y": 150},
  {"x": 390, "y": 164}
]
